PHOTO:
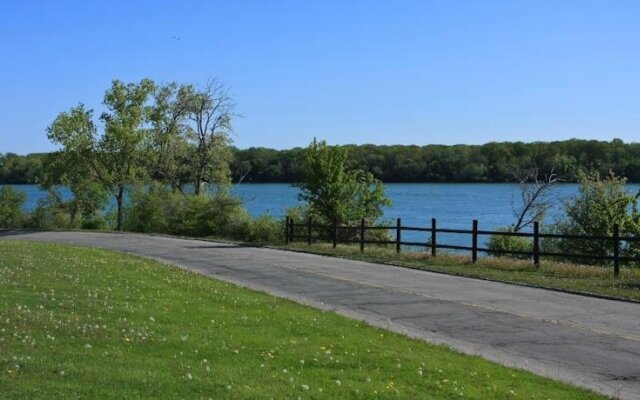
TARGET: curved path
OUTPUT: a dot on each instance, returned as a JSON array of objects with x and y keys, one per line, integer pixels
[{"x": 589, "y": 342}]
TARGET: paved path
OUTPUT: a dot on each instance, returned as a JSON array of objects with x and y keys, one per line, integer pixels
[{"x": 590, "y": 342}]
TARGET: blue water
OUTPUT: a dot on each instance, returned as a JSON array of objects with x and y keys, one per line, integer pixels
[{"x": 454, "y": 205}]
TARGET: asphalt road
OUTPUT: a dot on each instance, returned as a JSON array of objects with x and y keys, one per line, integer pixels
[{"x": 589, "y": 342}]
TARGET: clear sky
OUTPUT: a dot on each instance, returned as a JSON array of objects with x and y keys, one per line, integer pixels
[{"x": 385, "y": 72}]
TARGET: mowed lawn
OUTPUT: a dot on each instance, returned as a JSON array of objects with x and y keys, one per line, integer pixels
[{"x": 78, "y": 322}]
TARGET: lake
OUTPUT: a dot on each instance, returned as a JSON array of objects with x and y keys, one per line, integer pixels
[{"x": 455, "y": 205}]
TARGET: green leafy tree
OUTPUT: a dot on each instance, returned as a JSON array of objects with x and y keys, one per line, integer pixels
[
  {"x": 334, "y": 192},
  {"x": 210, "y": 111},
  {"x": 115, "y": 157},
  {"x": 170, "y": 153},
  {"x": 11, "y": 202},
  {"x": 600, "y": 204}
]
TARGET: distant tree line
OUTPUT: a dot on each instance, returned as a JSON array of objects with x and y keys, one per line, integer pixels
[
  {"x": 17, "y": 169},
  {"x": 491, "y": 162}
]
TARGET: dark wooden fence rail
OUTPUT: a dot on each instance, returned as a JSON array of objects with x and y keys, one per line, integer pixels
[{"x": 433, "y": 244}]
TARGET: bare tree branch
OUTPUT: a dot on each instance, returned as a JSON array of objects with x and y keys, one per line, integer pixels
[{"x": 534, "y": 197}]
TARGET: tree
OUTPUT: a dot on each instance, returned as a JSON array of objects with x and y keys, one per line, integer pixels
[
  {"x": 170, "y": 152},
  {"x": 114, "y": 158},
  {"x": 210, "y": 112},
  {"x": 334, "y": 193}
]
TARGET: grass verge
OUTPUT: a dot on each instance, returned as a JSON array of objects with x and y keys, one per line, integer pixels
[
  {"x": 565, "y": 276},
  {"x": 78, "y": 322}
]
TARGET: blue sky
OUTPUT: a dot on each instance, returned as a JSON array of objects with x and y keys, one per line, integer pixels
[{"x": 406, "y": 72}]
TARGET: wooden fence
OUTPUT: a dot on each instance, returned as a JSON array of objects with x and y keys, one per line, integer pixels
[{"x": 433, "y": 244}]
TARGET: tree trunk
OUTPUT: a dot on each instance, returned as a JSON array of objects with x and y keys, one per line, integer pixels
[
  {"x": 197, "y": 184},
  {"x": 119, "y": 201}
]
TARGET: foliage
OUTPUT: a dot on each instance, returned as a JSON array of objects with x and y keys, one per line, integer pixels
[
  {"x": 509, "y": 243},
  {"x": 490, "y": 162},
  {"x": 210, "y": 114},
  {"x": 11, "y": 203},
  {"x": 336, "y": 193},
  {"x": 266, "y": 229},
  {"x": 113, "y": 158},
  {"x": 600, "y": 204},
  {"x": 51, "y": 213},
  {"x": 16, "y": 169},
  {"x": 159, "y": 209},
  {"x": 88, "y": 196},
  {"x": 190, "y": 136}
]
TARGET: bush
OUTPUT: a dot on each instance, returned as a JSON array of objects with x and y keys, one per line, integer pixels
[
  {"x": 157, "y": 209},
  {"x": 266, "y": 229},
  {"x": 152, "y": 209},
  {"x": 11, "y": 203},
  {"x": 218, "y": 215},
  {"x": 95, "y": 223},
  {"x": 599, "y": 205},
  {"x": 47, "y": 216},
  {"x": 509, "y": 243}
]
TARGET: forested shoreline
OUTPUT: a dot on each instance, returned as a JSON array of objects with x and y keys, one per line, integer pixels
[{"x": 491, "y": 162}]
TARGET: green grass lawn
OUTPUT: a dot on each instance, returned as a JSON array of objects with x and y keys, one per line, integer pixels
[
  {"x": 87, "y": 323},
  {"x": 579, "y": 278}
]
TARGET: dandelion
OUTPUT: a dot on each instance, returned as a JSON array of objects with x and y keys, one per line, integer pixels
[
  {"x": 305, "y": 387},
  {"x": 338, "y": 382},
  {"x": 87, "y": 346}
]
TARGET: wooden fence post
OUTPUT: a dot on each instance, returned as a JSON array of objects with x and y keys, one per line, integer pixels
[
  {"x": 433, "y": 237},
  {"x": 616, "y": 250},
  {"x": 291, "y": 226},
  {"x": 335, "y": 232},
  {"x": 398, "y": 235},
  {"x": 362, "y": 235},
  {"x": 474, "y": 241},
  {"x": 536, "y": 243},
  {"x": 286, "y": 230},
  {"x": 309, "y": 223}
]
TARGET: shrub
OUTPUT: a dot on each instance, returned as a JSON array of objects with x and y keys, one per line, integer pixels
[
  {"x": 599, "y": 205},
  {"x": 95, "y": 223},
  {"x": 152, "y": 209},
  {"x": 266, "y": 229},
  {"x": 509, "y": 243},
  {"x": 11, "y": 203},
  {"x": 49, "y": 214},
  {"x": 218, "y": 215},
  {"x": 160, "y": 210}
]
